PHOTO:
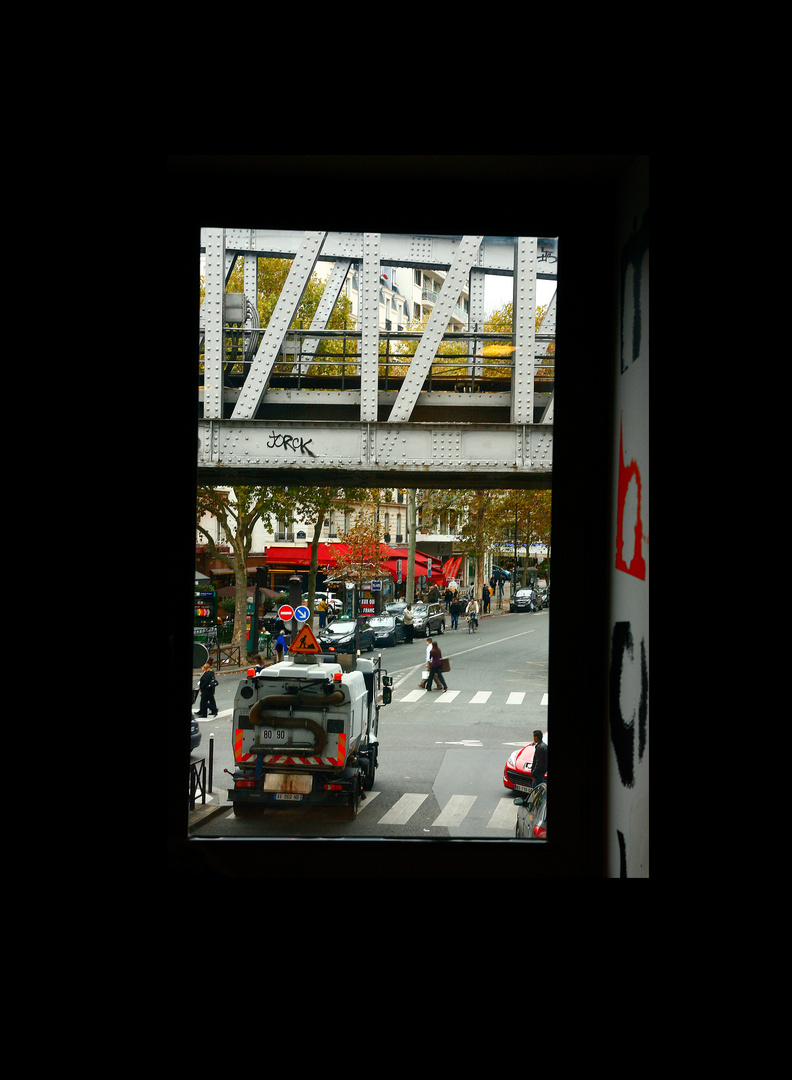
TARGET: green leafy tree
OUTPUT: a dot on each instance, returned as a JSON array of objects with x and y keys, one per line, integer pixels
[
  {"x": 313, "y": 505},
  {"x": 364, "y": 558},
  {"x": 238, "y": 509}
]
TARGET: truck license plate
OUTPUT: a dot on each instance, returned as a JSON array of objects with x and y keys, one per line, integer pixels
[{"x": 288, "y": 797}]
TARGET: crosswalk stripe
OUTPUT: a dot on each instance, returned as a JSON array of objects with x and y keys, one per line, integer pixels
[
  {"x": 505, "y": 816},
  {"x": 516, "y": 697},
  {"x": 455, "y": 811},
  {"x": 401, "y": 812},
  {"x": 452, "y": 815}
]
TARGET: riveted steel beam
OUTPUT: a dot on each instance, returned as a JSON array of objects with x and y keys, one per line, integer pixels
[
  {"x": 272, "y": 341},
  {"x": 369, "y": 326},
  {"x": 419, "y": 251},
  {"x": 212, "y": 311},
  {"x": 524, "y": 321},
  {"x": 297, "y": 448}
]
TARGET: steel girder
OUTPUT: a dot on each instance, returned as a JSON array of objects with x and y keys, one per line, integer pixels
[
  {"x": 376, "y": 451},
  {"x": 235, "y": 440}
]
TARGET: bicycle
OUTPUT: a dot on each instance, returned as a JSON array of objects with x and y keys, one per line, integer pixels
[{"x": 472, "y": 622}]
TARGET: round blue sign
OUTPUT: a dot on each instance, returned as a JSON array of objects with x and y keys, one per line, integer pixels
[{"x": 301, "y": 613}]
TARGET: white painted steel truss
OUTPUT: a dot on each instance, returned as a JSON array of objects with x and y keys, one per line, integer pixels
[{"x": 374, "y": 431}]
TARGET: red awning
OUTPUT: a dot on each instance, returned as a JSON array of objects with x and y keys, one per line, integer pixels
[{"x": 289, "y": 557}]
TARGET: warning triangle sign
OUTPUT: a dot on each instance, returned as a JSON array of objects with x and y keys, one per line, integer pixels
[{"x": 305, "y": 642}]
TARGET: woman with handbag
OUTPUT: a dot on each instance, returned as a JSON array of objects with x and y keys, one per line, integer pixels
[{"x": 435, "y": 668}]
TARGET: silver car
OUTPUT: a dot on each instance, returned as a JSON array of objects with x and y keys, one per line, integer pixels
[{"x": 429, "y": 619}]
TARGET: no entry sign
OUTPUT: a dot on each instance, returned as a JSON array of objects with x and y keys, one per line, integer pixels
[{"x": 285, "y": 612}]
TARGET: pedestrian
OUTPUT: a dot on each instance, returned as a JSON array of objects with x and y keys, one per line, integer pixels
[
  {"x": 539, "y": 764},
  {"x": 408, "y": 620},
  {"x": 207, "y": 684},
  {"x": 280, "y": 645},
  {"x": 435, "y": 665},
  {"x": 422, "y": 683},
  {"x": 485, "y": 598},
  {"x": 449, "y": 596},
  {"x": 321, "y": 607},
  {"x": 455, "y": 609},
  {"x": 258, "y": 664}
]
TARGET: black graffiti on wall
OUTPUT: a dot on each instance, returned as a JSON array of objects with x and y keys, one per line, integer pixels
[
  {"x": 632, "y": 267},
  {"x": 290, "y": 442},
  {"x": 622, "y": 728}
]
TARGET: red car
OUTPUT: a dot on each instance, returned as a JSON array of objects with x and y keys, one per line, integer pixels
[{"x": 517, "y": 770}]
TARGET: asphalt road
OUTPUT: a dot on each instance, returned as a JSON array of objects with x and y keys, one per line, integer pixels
[{"x": 441, "y": 755}]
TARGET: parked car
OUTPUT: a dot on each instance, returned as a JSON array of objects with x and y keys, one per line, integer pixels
[
  {"x": 524, "y": 600},
  {"x": 195, "y": 734},
  {"x": 388, "y": 629},
  {"x": 340, "y": 636},
  {"x": 333, "y": 603},
  {"x": 544, "y": 596},
  {"x": 517, "y": 770},
  {"x": 532, "y": 815},
  {"x": 429, "y": 619}
]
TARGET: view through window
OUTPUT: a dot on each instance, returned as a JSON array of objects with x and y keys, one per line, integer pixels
[{"x": 371, "y": 656}]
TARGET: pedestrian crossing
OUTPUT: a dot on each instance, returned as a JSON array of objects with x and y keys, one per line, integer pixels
[
  {"x": 481, "y": 697},
  {"x": 503, "y": 816}
]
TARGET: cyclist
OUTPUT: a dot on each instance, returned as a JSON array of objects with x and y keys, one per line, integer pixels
[{"x": 472, "y": 610}]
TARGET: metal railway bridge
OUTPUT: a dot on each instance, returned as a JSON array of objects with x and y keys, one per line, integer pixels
[{"x": 390, "y": 408}]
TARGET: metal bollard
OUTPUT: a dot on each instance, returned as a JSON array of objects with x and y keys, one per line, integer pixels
[{"x": 211, "y": 761}]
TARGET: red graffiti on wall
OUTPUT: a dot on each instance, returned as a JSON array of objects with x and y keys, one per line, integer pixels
[{"x": 627, "y": 473}]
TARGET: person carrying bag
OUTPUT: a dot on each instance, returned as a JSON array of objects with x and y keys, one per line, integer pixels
[{"x": 436, "y": 669}]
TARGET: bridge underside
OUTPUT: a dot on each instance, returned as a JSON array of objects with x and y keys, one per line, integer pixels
[{"x": 442, "y": 406}]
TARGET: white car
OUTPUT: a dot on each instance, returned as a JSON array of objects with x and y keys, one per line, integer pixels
[{"x": 333, "y": 602}]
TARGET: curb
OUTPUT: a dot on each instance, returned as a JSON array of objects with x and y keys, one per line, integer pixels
[{"x": 203, "y": 813}]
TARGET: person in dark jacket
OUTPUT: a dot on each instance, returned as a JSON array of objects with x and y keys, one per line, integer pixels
[
  {"x": 455, "y": 609},
  {"x": 539, "y": 764},
  {"x": 207, "y": 684}
]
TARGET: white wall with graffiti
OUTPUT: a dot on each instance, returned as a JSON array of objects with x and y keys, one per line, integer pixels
[{"x": 627, "y": 772}]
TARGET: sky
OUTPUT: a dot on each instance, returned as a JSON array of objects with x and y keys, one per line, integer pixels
[{"x": 498, "y": 291}]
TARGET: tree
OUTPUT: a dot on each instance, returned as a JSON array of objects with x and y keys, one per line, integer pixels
[
  {"x": 270, "y": 279},
  {"x": 525, "y": 517},
  {"x": 364, "y": 558},
  {"x": 237, "y": 509},
  {"x": 314, "y": 505}
]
